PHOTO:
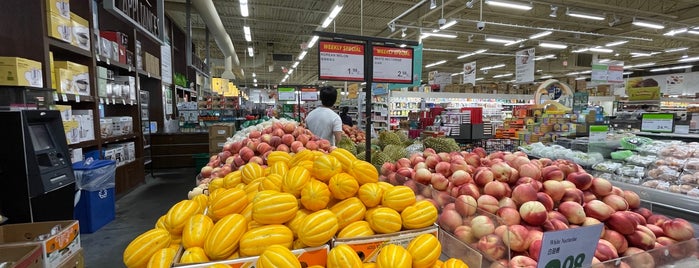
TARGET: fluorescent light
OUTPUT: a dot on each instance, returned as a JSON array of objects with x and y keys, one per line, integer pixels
[
  {"x": 648, "y": 24},
  {"x": 502, "y": 75},
  {"x": 255, "y": 85},
  {"x": 586, "y": 72},
  {"x": 515, "y": 42},
  {"x": 676, "y": 49},
  {"x": 363, "y": 83},
  {"x": 552, "y": 45},
  {"x": 689, "y": 59},
  {"x": 254, "y": 75},
  {"x": 509, "y": 4},
  {"x": 659, "y": 69},
  {"x": 479, "y": 78},
  {"x": 580, "y": 78},
  {"x": 681, "y": 67},
  {"x": 676, "y": 31},
  {"x": 336, "y": 10},
  {"x": 540, "y": 35},
  {"x": 290, "y": 71},
  {"x": 616, "y": 43},
  {"x": 303, "y": 54},
  {"x": 626, "y": 73},
  {"x": 498, "y": 40},
  {"x": 254, "y": 80},
  {"x": 580, "y": 50},
  {"x": 639, "y": 54},
  {"x": 549, "y": 56},
  {"x": 425, "y": 35},
  {"x": 455, "y": 74},
  {"x": 604, "y": 60},
  {"x": 546, "y": 76},
  {"x": 435, "y": 64},
  {"x": 296, "y": 64},
  {"x": 447, "y": 25},
  {"x": 573, "y": 73},
  {"x": 403, "y": 45},
  {"x": 472, "y": 54},
  {"x": 492, "y": 67},
  {"x": 644, "y": 64},
  {"x": 248, "y": 35},
  {"x": 244, "y": 8},
  {"x": 601, "y": 50},
  {"x": 696, "y": 31},
  {"x": 313, "y": 41},
  {"x": 584, "y": 15},
  {"x": 251, "y": 52}
]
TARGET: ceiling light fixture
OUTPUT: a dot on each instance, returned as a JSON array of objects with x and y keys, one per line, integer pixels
[
  {"x": 502, "y": 75},
  {"x": 247, "y": 33},
  {"x": 254, "y": 75},
  {"x": 684, "y": 56},
  {"x": 581, "y": 78},
  {"x": 615, "y": 20},
  {"x": 644, "y": 64},
  {"x": 584, "y": 15},
  {"x": 586, "y": 72},
  {"x": 455, "y": 74},
  {"x": 291, "y": 71},
  {"x": 425, "y": 35},
  {"x": 601, "y": 50},
  {"x": 695, "y": 31},
  {"x": 689, "y": 59},
  {"x": 648, "y": 24},
  {"x": 604, "y": 60},
  {"x": 448, "y": 24},
  {"x": 336, "y": 10},
  {"x": 626, "y": 73},
  {"x": 659, "y": 70},
  {"x": 515, "y": 42},
  {"x": 254, "y": 80},
  {"x": 641, "y": 54},
  {"x": 508, "y": 4},
  {"x": 303, "y": 54},
  {"x": 492, "y": 67},
  {"x": 251, "y": 52},
  {"x": 498, "y": 40},
  {"x": 479, "y": 78},
  {"x": 540, "y": 35},
  {"x": 546, "y": 76},
  {"x": 681, "y": 67},
  {"x": 403, "y": 45},
  {"x": 472, "y": 53},
  {"x": 244, "y": 8},
  {"x": 580, "y": 50},
  {"x": 676, "y": 49},
  {"x": 573, "y": 74},
  {"x": 554, "y": 11},
  {"x": 435, "y": 64},
  {"x": 403, "y": 34},
  {"x": 254, "y": 85},
  {"x": 433, "y": 4},
  {"x": 296, "y": 64},
  {"x": 469, "y": 4},
  {"x": 613, "y": 44},
  {"x": 552, "y": 45},
  {"x": 313, "y": 41},
  {"x": 549, "y": 56},
  {"x": 673, "y": 32}
]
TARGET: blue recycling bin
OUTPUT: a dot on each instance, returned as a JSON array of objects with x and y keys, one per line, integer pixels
[{"x": 96, "y": 207}]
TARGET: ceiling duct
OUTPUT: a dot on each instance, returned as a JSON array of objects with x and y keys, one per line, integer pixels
[{"x": 208, "y": 13}]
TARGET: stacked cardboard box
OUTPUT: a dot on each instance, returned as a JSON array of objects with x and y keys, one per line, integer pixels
[
  {"x": 18, "y": 71},
  {"x": 121, "y": 153},
  {"x": 19, "y": 242},
  {"x": 217, "y": 136},
  {"x": 152, "y": 64},
  {"x": 58, "y": 20},
  {"x": 72, "y": 78}
]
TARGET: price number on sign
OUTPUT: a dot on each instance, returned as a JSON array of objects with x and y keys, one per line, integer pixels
[
  {"x": 568, "y": 262},
  {"x": 352, "y": 71},
  {"x": 402, "y": 74}
]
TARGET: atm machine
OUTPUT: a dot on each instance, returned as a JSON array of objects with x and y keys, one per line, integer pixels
[{"x": 36, "y": 176}]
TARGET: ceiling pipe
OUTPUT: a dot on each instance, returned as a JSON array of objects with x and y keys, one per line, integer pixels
[
  {"x": 407, "y": 12},
  {"x": 208, "y": 13}
]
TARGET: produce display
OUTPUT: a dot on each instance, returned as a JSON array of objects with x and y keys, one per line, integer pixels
[
  {"x": 559, "y": 152},
  {"x": 354, "y": 133},
  {"x": 503, "y": 202}
]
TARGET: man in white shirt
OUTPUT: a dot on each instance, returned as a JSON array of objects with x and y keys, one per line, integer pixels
[{"x": 323, "y": 121}]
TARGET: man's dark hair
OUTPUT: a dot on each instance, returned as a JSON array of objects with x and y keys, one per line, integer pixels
[
  {"x": 345, "y": 110},
  {"x": 328, "y": 96}
]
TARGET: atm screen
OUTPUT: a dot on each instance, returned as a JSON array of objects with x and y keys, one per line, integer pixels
[{"x": 40, "y": 137}]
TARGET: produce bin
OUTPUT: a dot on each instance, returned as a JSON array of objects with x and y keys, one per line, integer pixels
[
  {"x": 95, "y": 208},
  {"x": 200, "y": 160}
]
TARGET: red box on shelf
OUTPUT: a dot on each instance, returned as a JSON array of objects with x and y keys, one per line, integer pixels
[
  {"x": 476, "y": 114},
  {"x": 122, "y": 41}
]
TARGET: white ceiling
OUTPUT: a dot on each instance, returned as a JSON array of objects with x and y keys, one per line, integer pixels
[{"x": 282, "y": 26}]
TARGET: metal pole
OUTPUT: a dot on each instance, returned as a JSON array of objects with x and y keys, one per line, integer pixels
[
  {"x": 188, "y": 22},
  {"x": 369, "y": 76}
]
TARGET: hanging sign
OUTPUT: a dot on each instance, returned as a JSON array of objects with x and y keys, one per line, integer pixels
[
  {"x": 393, "y": 65},
  {"x": 615, "y": 74},
  {"x": 470, "y": 73},
  {"x": 599, "y": 73},
  {"x": 569, "y": 248},
  {"x": 309, "y": 94},
  {"x": 287, "y": 93},
  {"x": 341, "y": 61},
  {"x": 663, "y": 123},
  {"x": 524, "y": 66}
]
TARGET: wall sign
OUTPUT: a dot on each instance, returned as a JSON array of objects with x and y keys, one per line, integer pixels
[
  {"x": 166, "y": 64},
  {"x": 341, "y": 61},
  {"x": 393, "y": 65},
  {"x": 569, "y": 248},
  {"x": 140, "y": 13}
]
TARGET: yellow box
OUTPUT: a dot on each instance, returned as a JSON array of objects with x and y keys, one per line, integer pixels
[
  {"x": 81, "y": 32},
  {"x": 53, "y": 72},
  {"x": 16, "y": 71},
  {"x": 80, "y": 76},
  {"x": 72, "y": 66},
  {"x": 59, "y": 27},
  {"x": 64, "y": 81},
  {"x": 59, "y": 7}
]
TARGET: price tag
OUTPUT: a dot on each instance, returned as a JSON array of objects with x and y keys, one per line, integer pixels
[
  {"x": 113, "y": 101},
  {"x": 55, "y": 96},
  {"x": 64, "y": 97},
  {"x": 123, "y": 101},
  {"x": 657, "y": 122},
  {"x": 393, "y": 65},
  {"x": 77, "y": 98},
  {"x": 129, "y": 68},
  {"x": 108, "y": 62},
  {"x": 101, "y": 100},
  {"x": 598, "y": 133},
  {"x": 148, "y": 75},
  {"x": 569, "y": 248}
]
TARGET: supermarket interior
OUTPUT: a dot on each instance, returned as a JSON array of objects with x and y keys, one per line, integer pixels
[{"x": 349, "y": 133}]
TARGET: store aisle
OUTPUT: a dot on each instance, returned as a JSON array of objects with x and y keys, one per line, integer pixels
[{"x": 136, "y": 212}]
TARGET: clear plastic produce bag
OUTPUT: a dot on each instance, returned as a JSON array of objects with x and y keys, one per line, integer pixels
[{"x": 94, "y": 175}]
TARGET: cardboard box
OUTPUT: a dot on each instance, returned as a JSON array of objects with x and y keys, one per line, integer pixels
[
  {"x": 59, "y": 27},
  {"x": 307, "y": 256},
  {"x": 216, "y": 145},
  {"x": 81, "y": 76},
  {"x": 105, "y": 48},
  {"x": 64, "y": 81},
  {"x": 368, "y": 247},
  {"x": 77, "y": 260},
  {"x": 106, "y": 127},
  {"x": 102, "y": 87},
  {"x": 22, "y": 256},
  {"x": 59, "y": 7},
  {"x": 56, "y": 249},
  {"x": 120, "y": 42},
  {"x": 128, "y": 90},
  {"x": 221, "y": 131},
  {"x": 16, "y": 71},
  {"x": 86, "y": 127},
  {"x": 81, "y": 32},
  {"x": 71, "y": 128},
  {"x": 65, "y": 110},
  {"x": 130, "y": 151},
  {"x": 53, "y": 72}
]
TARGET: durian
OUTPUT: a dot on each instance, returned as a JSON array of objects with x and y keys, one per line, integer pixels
[
  {"x": 442, "y": 145},
  {"x": 395, "y": 152},
  {"x": 387, "y": 137}
]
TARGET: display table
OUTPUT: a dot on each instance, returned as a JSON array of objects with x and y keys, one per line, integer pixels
[
  {"x": 176, "y": 150},
  {"x": 666, "y": 136}
]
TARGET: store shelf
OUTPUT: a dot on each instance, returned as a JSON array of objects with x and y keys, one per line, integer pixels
[
  {"x": 679, "y": 202},
  {"x": 668, "y": 135},
  {"x": 185, "y": 89},
  {"x": 146, "y": 146},
  {"x": 446, "y": 95},
  {"x": 63, "y": 47},
  {"x": 102, "y": 61},
  {"x": 84, "y": 144},
  {"x": 148, "y": 75},
  {"x": 117, "y": 101},
  {"x": 118, "y": 138},
  {"x": 72, "y": 98}
]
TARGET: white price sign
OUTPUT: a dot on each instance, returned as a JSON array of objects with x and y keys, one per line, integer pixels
[
  {"x": 615, "y": 74},
  {"x": 598, "y": 134},
  {"x": 287, "y": 94},
  {"x": 569, "y": 248},
  {"x": 657, "y": 122},
  {"x": 309, "y": 94},
  {"x": 341, "y": 61},
  {"x": 393, "y": 65}
]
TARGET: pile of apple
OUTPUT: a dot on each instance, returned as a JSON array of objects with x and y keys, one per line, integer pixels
[
  {"x": 286, "y": 137},
  {"x": 502, "y": 203}
]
